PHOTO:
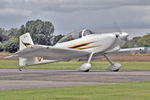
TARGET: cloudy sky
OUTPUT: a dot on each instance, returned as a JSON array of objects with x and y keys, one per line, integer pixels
[{"x": 132, "y": 16}]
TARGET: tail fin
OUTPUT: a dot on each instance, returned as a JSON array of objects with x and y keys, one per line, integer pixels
[{"x": 24, "y": 42}]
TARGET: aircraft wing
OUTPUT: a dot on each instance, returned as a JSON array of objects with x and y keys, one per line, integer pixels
[
  {"x": 133, "y": 50},
  {"x": 139, "y": 50},
  {"x": 49, "y": 53},
  {"x": 142, "y": 50}
]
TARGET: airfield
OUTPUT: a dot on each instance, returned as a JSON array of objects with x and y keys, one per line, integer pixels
[
  {"x": 12, "y": 79},
  {"x": 61, "y": 81}
]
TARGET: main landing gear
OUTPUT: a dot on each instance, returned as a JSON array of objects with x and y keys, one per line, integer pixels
[
  {"x": 115, "y": 67},
  {"x": 86, "y": 66}
]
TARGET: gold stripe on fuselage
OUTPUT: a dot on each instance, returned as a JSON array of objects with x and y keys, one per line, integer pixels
[
  {"x": 79, "y": 45},
  {"x": 86, "y": 47}
]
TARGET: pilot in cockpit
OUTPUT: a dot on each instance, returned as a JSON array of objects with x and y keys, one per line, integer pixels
[{"x": 75, "y": 35}]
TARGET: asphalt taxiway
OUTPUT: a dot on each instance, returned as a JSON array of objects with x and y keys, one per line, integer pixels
[{"x": 12, "y": 79}]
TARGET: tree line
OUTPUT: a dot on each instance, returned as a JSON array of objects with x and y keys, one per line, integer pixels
[
  {"x": 42, "y": 32},
  {"x": 139, "y": 41}
]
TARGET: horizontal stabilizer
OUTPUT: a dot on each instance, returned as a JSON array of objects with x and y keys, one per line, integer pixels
[{"x": 50, "y": 53}]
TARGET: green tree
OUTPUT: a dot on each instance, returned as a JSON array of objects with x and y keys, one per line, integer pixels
[
  {"x": 3, "y": 35},
  {"x": 144, "y": 41},
  {"x": 12, "y": 32},
  {"x": 41, "y": 32},
  {"x": 11, "y": 45},
  {"x": 21, "y": 31},
  {"x": 1, "y": 47}
]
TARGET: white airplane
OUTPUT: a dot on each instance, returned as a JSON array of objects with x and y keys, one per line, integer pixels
[{"x": 79, "y": 44}]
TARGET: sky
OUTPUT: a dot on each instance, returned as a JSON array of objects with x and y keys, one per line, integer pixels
[{"x": 132, "y": 16}]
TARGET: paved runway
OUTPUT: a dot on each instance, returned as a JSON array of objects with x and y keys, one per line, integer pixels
[{"x": 11, "y": 79}]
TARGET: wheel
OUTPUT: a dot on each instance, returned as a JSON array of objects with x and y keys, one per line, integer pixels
[
  {"x": 20, "y": 69},
  {"x": 84, "y": 68},
  {"x": 87, "y": 70},
  {"x": 115, "y": 68}
]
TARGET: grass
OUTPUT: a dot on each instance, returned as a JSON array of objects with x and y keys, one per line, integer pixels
[
  {"x": 122, "y": 91},
  {"x": 126, "y": 66}
]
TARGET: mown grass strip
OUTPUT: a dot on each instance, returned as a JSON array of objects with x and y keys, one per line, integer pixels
[{"x": 122, "y": 91}]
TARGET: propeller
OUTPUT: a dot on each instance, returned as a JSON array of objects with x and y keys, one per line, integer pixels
[
  {"x": 119, "y": 34},
  {"x": 122, "y": 35}
]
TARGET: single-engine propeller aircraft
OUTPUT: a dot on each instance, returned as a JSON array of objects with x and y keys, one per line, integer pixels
[{"x": 78, "y": 44}]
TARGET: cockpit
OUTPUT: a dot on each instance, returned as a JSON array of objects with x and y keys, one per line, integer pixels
[{"x": 75, "y": 35}]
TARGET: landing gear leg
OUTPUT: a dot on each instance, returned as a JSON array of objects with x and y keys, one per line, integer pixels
[
  {"x": 115, "y": 67},
  {"x": 86, "y": 66}
]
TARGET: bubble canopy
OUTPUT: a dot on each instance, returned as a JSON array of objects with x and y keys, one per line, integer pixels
[{"x": 75, "y": 35}]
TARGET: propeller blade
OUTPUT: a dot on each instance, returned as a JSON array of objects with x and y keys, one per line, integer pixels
[{"x": 117, "y": 26}]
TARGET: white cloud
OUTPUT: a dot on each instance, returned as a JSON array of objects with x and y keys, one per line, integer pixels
[
  {"x": 69, "y": 15},
  {"x": 14, "y": 12}
]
